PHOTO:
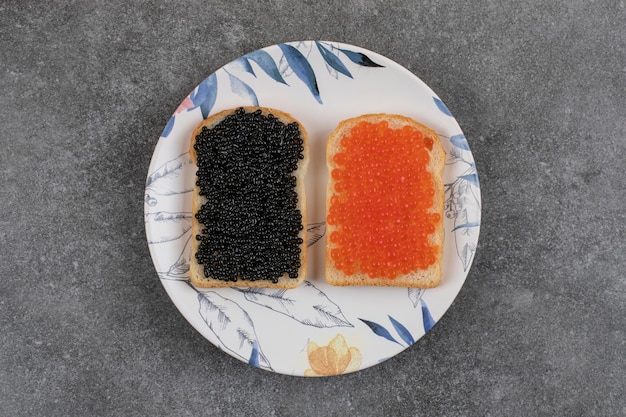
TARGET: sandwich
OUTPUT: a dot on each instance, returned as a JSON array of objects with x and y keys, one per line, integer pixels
[
  {"x": 384, "y": 203},
  {"x": 249, "y": 207}
]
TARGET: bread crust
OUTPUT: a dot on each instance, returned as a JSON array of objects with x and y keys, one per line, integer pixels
[
  {"x": 196, "y": 270},
  {"x": 428, "y": 278}
]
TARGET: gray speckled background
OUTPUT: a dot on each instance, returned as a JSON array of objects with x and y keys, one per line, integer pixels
[{"x": 540, "y": 92}]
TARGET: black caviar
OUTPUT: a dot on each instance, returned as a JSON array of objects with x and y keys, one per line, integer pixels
[{"x": 251, "y": 221}]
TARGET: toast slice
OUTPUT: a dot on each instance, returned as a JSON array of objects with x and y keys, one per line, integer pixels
[
  {"x": 373, "y": 225},
  {"x": 250, "y": 193}
]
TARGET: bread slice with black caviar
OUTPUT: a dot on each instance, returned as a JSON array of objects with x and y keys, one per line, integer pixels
[{"x": 249, "y": 205}]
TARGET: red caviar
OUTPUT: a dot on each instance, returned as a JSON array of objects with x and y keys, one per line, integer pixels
[{"x": 383, "y": 195}]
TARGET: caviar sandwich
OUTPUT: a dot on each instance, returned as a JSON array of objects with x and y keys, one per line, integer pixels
[
  {"x": 248, "y": 202},
  {"x": 384, "y": 203}
]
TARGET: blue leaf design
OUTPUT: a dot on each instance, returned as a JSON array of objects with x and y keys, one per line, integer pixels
[
  {"x": 380, "y": 330},
  {"x": 332, "y": 60},
  {"x": 168, "y": 127},
  {"x": 466, "y": 225},
  {"x": 205, "y": 95},
  {"x": 242, "y": 89},
  {"x": 267, "y": 64},
  {"x": 442, "y": 106},
  {"x": 360, "y": 59},
  {"x": 301, "y": 68},
  {"x": 426, "y": 317},
  {"x": 254, "y": 355},
  {"x": 402, "y": 331},
  {"x": 232, "y": 326},
  {"x": 244, "y": 64},
  {"x": 471, "y": 178},
  {"x": 459, "y": 140}
]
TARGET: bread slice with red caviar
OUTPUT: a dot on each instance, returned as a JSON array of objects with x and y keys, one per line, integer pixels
[
  {"x": 243, "y": 234},
  {"x": 384, "y": 203}
]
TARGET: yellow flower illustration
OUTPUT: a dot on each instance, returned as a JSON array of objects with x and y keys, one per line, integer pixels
[{"x": 333, "y": 359}]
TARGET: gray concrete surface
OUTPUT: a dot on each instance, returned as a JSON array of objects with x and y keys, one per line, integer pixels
[{"x": 85, "y": 325}]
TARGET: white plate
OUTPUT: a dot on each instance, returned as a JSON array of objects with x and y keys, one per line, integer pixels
[{"x": 315, "y": 329}]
